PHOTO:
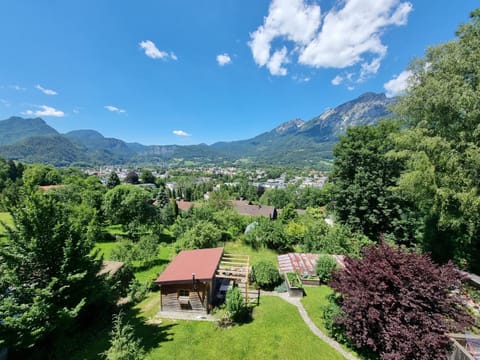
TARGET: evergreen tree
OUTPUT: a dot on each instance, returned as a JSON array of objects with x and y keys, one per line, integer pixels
[
  {"x": 48, "y": 270},
  {"x": 113, "y": 180}
]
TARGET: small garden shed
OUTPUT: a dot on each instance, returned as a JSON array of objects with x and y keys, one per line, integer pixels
[{"x": 188, "y": 283}]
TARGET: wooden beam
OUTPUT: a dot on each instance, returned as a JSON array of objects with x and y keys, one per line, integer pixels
[
  {"x": 233, "y": 262},
  {"x": 230, "y": 277}
]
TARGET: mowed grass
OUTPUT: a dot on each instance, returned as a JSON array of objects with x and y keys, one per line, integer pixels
[
  {"x": 315, "y": 300},
  {"x": 238, "y": 247},
  {"x": 276, "y": 332}
]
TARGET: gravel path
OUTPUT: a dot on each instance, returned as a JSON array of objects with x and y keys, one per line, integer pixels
[{"x": 303, "y": 313}]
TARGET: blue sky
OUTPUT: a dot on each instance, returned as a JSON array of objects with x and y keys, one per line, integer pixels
[{"x": 190, "y": 72}]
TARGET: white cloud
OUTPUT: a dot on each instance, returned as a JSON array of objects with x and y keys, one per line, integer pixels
[
  {"x": 153, "y": 52},
  {"x": 276, "y": 61},
  {"x": 114, "y": 109},
  {"x": 337, "y": 80},
  {"x": 44, "y": 110},
  {"x": 341, "y": 38},
  {"x": 398, "y": 84},
  {"x": 290, "y": 19},
  {"x": 180, "y": 133},
  {"x": 46, "y": 91},
  {"x": 5, "y": 103},
  {"x": 223, "y": 59}
]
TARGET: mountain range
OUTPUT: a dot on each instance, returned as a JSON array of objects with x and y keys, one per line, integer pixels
[{"x": 296, "y": 141}]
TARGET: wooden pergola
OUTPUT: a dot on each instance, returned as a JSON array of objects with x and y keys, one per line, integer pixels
[{"x": 235, "y": 267}]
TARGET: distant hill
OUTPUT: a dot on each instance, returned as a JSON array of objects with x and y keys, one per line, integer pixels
[
  {"x": 93, "y": 140},
  {"x": 293, "y": 142},
  {"x": 51, "y": 149},
  {"x": 16, "y": 128}
]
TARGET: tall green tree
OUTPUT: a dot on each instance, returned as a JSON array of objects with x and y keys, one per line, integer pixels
[
  {"x": 113, "y": 180},
  {"x": 129, "y": 205},
  {"x": 362, "y": 179},
  {"x": 441, "y": 148},
  {"x": 47, "y": 269}
]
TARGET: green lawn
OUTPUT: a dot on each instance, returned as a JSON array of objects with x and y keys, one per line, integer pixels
[
  {"x": 237, "y": 247},
  {"x": 276, "y": 332},
  {"x": 165, "y": 255},
  {"x": 314, "y": 301}
]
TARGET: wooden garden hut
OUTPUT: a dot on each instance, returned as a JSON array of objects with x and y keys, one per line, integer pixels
[{"x": 188, "y": 282}]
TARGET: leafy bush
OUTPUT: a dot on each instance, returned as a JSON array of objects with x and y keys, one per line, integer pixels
[
  {"x": 325, "y": 266},
  {"x": 203, "y": 234},
  {"x": 265, "y": 275},
  {"x": 281, "y": 288},
  {"x": 331, "y": 314},
  {"x": 138, "y": 291},
  {"x": 400, "y": 305},
  {"x": 123, "y": 344},
  {"x": 235, "y": 305}
]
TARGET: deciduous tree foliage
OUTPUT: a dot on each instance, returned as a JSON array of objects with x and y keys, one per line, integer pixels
[
  {"x": 441, "y": 149},
  {"x": 398, "y": 304},
  {"x": 363, "y": 176},
  {"x": 129, "y": 206}
]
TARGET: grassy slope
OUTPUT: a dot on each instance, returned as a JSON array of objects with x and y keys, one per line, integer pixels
[{"x": 238, "y": 247}]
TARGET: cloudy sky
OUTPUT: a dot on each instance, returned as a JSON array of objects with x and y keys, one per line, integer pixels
[{"x": 165, "y": 72}]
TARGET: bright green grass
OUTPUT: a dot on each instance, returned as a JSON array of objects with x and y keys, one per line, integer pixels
[
  {"x": 276, "y": 332},
  {"x": 5, "y": 218},
  {"x": 166, "y": 254},
  {"x": 115, "y": 230},
  {"x": 315, "y": 300},
  {"x": 105, "y": 248},
  {"x": 238, "y": 247}
]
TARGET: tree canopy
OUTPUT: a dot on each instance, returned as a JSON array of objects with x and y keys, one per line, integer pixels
[
  {"x": 398, "y": 304},
  {"x": 441, "y": 147},
  {"x": 48, "y": 272}
]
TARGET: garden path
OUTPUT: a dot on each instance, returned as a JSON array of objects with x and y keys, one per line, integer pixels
[{"x": 303, "y": 313}]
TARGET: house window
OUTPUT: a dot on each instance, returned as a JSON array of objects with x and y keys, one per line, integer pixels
[{"x": 183, "y": 293}]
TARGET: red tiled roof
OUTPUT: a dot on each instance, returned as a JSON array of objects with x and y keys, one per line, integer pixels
[{"x": 202, "y": 262}]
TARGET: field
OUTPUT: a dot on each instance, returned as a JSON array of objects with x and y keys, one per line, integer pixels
[{"x": 276, "y": 332}]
